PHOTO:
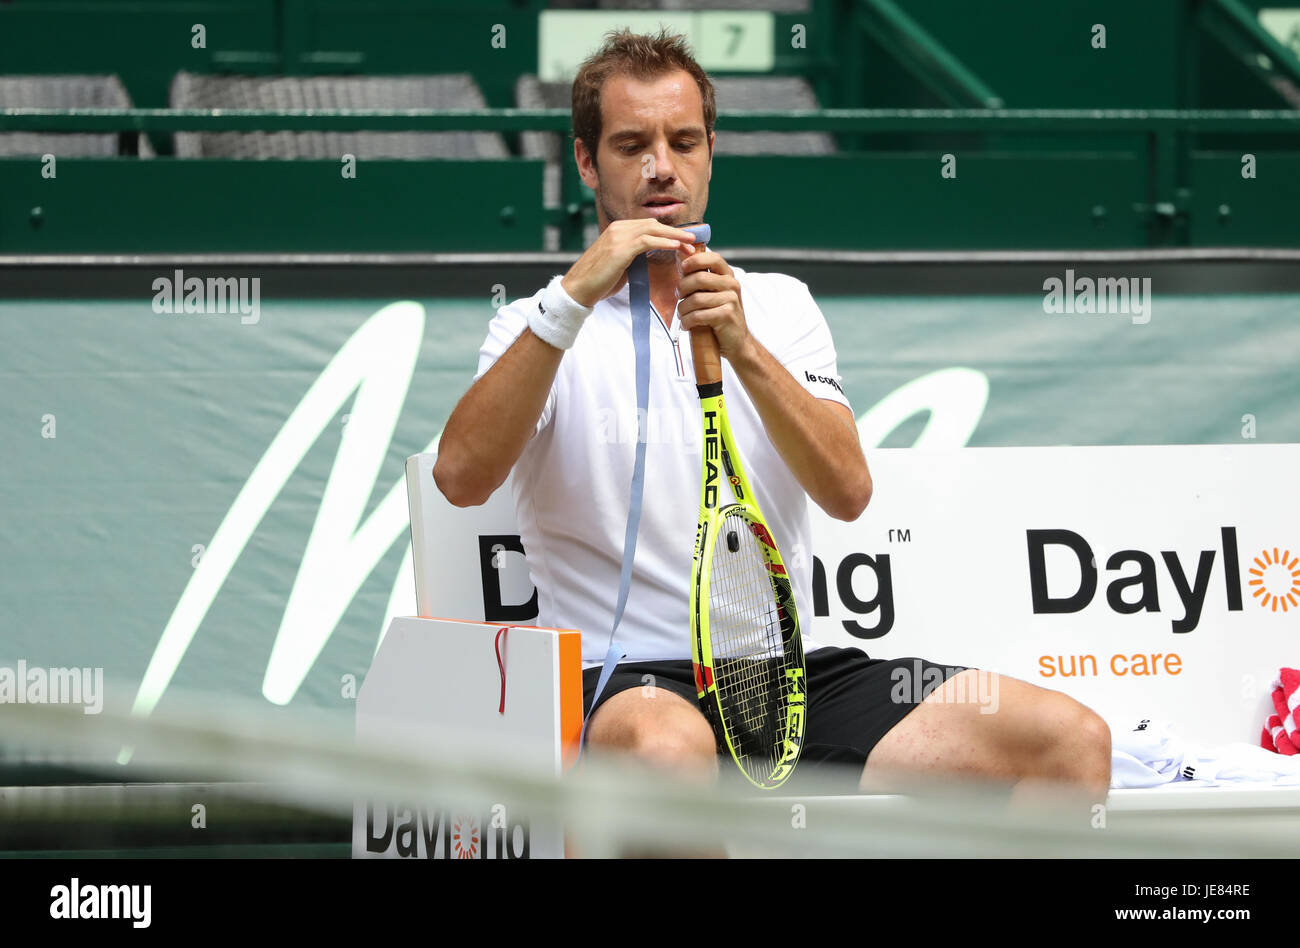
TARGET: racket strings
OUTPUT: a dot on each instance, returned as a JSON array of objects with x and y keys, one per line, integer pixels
[{"x": 749, "y": 656}]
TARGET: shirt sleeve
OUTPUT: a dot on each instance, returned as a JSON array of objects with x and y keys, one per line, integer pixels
[
  {"x": 809, "y": 352},
  {"x": 509, "y": 322}
]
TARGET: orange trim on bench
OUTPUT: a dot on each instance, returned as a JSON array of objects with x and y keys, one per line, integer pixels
[{"x": 570, "y": 695}]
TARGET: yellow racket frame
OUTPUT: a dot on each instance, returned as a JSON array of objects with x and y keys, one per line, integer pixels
[{"x": 722, "y": 460}]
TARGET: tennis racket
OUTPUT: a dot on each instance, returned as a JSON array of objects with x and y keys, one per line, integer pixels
[{"x": 745, "y": 643}]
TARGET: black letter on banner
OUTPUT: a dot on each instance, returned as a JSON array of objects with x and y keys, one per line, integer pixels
[
  {"x": 1037, "y": 539},
  {"x": 493, "y": 609},
  {"x": 1193, "y": 596},
  {"x": 821, "y": 607},
  {"x": 1231, "y": 571},
  {"x": 884, "y": 598},
  {"x": 429, "y": 831},
  {"x": 1146, "y": 578},
  {"x": 407, "y": 833},
  {"x": 378, "y": 844}
]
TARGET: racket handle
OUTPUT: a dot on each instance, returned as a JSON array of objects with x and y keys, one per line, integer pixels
[
  {"x": 704, "y": 352},
  {"x": 704, "y": 343}
]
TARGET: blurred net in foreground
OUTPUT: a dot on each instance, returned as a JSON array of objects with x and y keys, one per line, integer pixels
[{"x": 297, "y": 780}]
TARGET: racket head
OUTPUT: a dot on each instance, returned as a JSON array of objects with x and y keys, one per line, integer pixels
[{"x": 748, "y": 653}]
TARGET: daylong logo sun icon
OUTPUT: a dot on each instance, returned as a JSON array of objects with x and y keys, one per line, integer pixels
[
  {"x": 1277, "y": 580},
  {"x": 464, "y": 837}
]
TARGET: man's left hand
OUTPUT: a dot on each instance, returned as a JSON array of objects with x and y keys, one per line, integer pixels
[{"x": 710, "y": 296}]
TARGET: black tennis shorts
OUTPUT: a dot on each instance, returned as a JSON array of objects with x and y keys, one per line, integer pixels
[{"x": 853, "y": 699}]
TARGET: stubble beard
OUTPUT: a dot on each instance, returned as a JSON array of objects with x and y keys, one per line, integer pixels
[{"x": 655, "y": 257}]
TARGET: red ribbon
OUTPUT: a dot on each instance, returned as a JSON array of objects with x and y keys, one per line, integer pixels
[{"x": 502, "y": 666}]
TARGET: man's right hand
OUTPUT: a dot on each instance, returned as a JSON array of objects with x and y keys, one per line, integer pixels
[{"x": 602, "y": 270}]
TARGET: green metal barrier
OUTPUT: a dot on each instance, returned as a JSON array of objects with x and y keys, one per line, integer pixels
[
  {"x": 127, "y": 206},
  {"x": 1114, "y": 178},
  {"x": 1166, "y": 175}
]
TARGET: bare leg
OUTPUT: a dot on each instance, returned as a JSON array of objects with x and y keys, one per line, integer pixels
[
  {"x": 663, "y": 730},
  {"x": 1042, "y": 744}
]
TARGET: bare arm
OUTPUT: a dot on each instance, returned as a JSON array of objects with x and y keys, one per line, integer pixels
[
  {"x": 818, "y": 439},
  {"x": 494, "y": 420}
]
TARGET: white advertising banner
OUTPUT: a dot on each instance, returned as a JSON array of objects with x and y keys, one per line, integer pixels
[{"x": 1159, "y": 581}]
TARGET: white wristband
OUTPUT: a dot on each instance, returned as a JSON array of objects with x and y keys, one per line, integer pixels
[{"x": 558, "y": 316}]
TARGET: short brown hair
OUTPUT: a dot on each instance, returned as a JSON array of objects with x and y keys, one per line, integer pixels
[{"x": 642, "y": 57}]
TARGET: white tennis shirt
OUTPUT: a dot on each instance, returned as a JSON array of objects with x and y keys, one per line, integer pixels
[{"x": 572, "y": 482}]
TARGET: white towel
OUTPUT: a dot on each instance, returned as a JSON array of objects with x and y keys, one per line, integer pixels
[{"x": 1148, "y": 753}]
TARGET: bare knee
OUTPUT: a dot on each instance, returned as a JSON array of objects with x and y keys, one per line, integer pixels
[
  {"x": 678, "y": 741},
  {"x": 1092, "y": 763},
  {"x": 660, "y": 728},
  {"x": 1079, "y": 749}
]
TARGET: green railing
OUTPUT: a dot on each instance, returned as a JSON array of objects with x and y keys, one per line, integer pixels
[
  {"x": 787, "y": 120},
  {"x": 926, "y": 179}
]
